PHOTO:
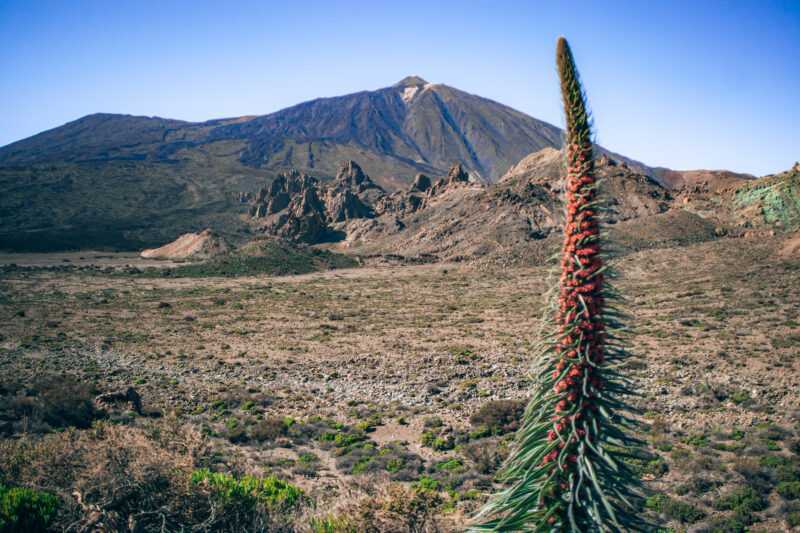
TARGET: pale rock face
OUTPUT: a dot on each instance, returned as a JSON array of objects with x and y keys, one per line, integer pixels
[
  {"x": 408, "y": 93},
  {"x": 189, "y": 245}
]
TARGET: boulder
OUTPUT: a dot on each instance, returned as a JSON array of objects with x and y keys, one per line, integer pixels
[{"x": 421, "y": 183}]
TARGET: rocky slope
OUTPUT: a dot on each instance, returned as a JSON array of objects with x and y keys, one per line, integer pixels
[
  {"x": 203, "y": 245},
  {"x": 458, "y": 217},
  {"x": 774, "y": 199},
  {"x": 454, "y": 217},
  {"x": 127, "y": 182},
  {"x": 394, "y": 132}
]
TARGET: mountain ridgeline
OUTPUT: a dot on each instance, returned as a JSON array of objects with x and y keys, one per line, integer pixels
[
  {"x": 412, "y": 126},
  {"x": 110, "y": 181},
  {"x": 127, "y": 182}
]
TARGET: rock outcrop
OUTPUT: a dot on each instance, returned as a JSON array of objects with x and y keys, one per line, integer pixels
[
  {"x": 352, "y": 194},
  {"x": 456, "y": 177},
  {"x": 422, "y": 183},
  {"x": 301, "y": 208},
  {"x": 292, "y": 209},
  {"x": 457, "y": 217},
  {"x": 203, "y": 245}
]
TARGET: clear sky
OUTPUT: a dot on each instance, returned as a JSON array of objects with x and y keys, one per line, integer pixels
[{"x": 700, "y": 84}]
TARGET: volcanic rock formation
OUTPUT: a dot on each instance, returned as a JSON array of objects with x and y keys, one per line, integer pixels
[
  {"x": 301, "y": 208},
  {"x": 457, "y": 217}
]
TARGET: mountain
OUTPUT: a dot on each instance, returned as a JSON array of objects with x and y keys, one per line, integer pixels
[
  {"x": 128, "y": 182},
  {"x": 412, "y": 126}
]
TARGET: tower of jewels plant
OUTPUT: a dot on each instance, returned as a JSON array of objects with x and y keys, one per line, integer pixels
[{"x": 566, "y": 471}]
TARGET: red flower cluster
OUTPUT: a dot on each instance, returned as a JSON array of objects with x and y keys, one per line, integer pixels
[{"x": 580, "y": 305}]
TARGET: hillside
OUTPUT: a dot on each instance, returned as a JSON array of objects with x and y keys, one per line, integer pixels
[
  {"x": 123, "y": 182},
  {"x": 126, "y": 182},
  {"x": 457, "y": 217},
  {"x": 394, "y": 131}
]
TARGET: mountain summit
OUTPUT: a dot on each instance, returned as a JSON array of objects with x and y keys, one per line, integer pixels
[{"x": 411, "y": 81}]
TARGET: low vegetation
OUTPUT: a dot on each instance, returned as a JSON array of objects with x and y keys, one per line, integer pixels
[{"x": 354, "y": 390}]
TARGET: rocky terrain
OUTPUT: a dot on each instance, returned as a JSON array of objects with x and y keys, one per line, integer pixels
[
  {"x": 457, "y": 217},
  {"x": 121, "y": 182},
  {"x": 357, "y": 359},
  {"x": 387, "y": 394}
]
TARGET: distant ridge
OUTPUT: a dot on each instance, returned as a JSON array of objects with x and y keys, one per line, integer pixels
[
  {"x": 110, "y": 180},
  {"x": 412, "y": 126}
]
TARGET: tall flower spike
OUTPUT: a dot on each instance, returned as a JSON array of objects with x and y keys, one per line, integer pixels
[{"x": 566, "y": 471}]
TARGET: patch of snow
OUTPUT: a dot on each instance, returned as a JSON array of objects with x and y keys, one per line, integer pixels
[{"x": 408, "y": 93}]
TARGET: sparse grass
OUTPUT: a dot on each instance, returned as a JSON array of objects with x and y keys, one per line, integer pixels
[{"x": 377, "y": 376}]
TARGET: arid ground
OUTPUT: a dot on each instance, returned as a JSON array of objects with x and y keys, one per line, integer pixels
[{"x": 389, "y": 395}]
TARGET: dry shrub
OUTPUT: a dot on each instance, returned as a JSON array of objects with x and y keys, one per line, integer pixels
[
  {"x": 389, "y": 508},
  {"x": 499, "y": 416},
  {"x": 117, "y": 478},
  {"x": 487, "y": 455},
  {"x": 268, "y": 430},
  {"x": 47, "y": 402}
]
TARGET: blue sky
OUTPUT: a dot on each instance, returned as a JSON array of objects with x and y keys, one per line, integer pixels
[{"x": 681, "y": 84}]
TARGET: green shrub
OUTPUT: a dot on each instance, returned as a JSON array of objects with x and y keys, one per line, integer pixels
[
  {"x": 450, "y": 465},
  {"x": 426, "y": 484},
  {"x": 26, "y": 510},
  {"x": 395, "y": 464},
  {"x": 431, "y": 439},
  {"x": 342, "y": 439},
  {"x": 743, "y": 501},
  {"x": 740, "y": 396},
  {"x": 698, "y": 441},
  {"x": 332, "y": 524},
  {"x": 250, "y": 491},
  {"x": 729, "y": 524},
  {"x": 674, "y": 509},
  {"x": 790, "y": 490},
  {"x": 782, "y": 468},
  {"x": 641, "y": 462}
]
